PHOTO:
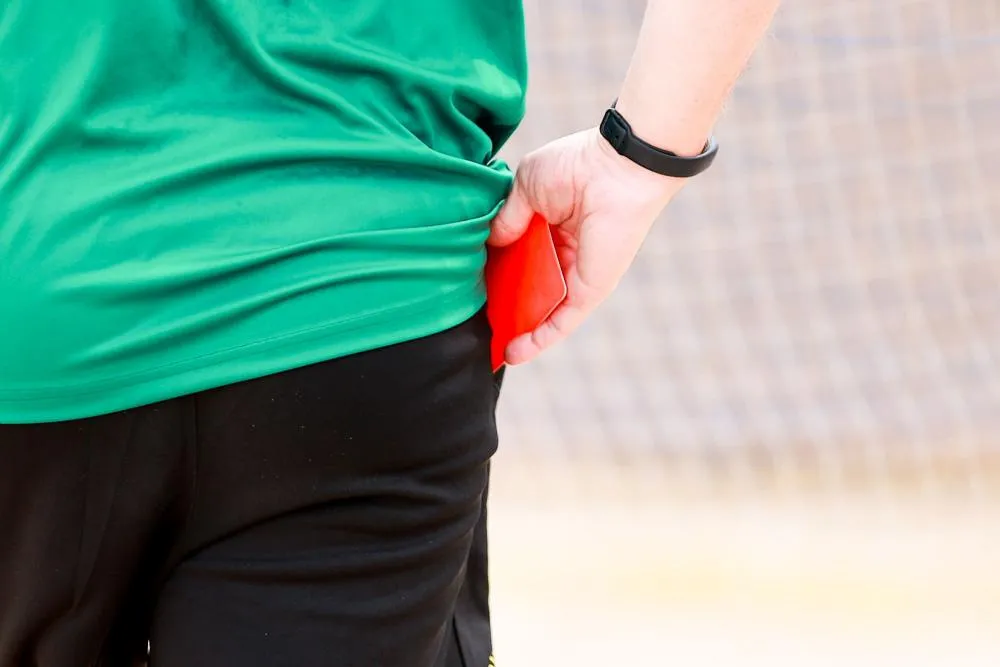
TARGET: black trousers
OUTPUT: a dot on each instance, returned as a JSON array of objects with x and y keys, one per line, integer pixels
[{"x": 332, "y": 515}]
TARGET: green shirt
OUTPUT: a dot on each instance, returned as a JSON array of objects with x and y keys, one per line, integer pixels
[{"x": 199, "y": 192}]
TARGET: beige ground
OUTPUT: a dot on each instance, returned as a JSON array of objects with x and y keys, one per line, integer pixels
[{"x": 629, "y": 573}]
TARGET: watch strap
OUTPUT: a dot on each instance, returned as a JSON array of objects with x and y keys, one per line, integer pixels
[{"x": 617, "y": 131}]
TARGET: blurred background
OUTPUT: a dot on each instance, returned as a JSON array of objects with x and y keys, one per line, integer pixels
[{"x": 779, "y": 442}]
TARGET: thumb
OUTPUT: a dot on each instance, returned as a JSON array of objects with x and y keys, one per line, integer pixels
[{"x": 512, "y": 220}]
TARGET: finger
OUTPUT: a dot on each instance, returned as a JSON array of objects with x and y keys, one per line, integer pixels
[
  {"x": 564, "y": 321},
  {"x": 512, "y": 220}
]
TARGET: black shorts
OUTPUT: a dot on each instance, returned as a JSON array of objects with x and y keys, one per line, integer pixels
[{"x": 332, "y": 515}]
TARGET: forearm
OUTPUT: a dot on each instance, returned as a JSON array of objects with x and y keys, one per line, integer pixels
[{"x": 688, "y": 56}]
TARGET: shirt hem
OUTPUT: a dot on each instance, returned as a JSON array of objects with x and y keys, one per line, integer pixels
[{"x": 253, "y": 360}]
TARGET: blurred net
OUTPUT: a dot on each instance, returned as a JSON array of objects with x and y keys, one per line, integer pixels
[
  {"x": 778, "y": 442},
  {"x": 822, "y": 305}
]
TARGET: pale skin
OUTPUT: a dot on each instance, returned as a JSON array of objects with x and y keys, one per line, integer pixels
[{"x": 688, "y": 56}]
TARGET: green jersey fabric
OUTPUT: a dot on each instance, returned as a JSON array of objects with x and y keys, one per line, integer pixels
[{"x": 199, "y": 192}]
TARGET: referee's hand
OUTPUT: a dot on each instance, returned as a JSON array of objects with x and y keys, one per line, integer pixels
[{"x": 601, "y": 207}]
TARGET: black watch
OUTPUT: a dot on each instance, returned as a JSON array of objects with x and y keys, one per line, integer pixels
[{"x": 619, "y": 134}]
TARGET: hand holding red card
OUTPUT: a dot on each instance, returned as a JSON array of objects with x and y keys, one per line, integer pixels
[
  {"x": 524, "y": 285},
  {"x": 603, "y": 207}
]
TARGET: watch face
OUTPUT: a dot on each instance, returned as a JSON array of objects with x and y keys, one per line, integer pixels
[{"x": 615, "y": 129}]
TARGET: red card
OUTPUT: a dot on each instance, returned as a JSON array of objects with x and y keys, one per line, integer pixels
[{"x": 524, "y": 285}]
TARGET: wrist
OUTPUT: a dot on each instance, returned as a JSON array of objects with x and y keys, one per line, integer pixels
[
  {"x": 675, "y": 131},
  {"x": 629, "y": 176},
  {"x": 619, "y": 134}
]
